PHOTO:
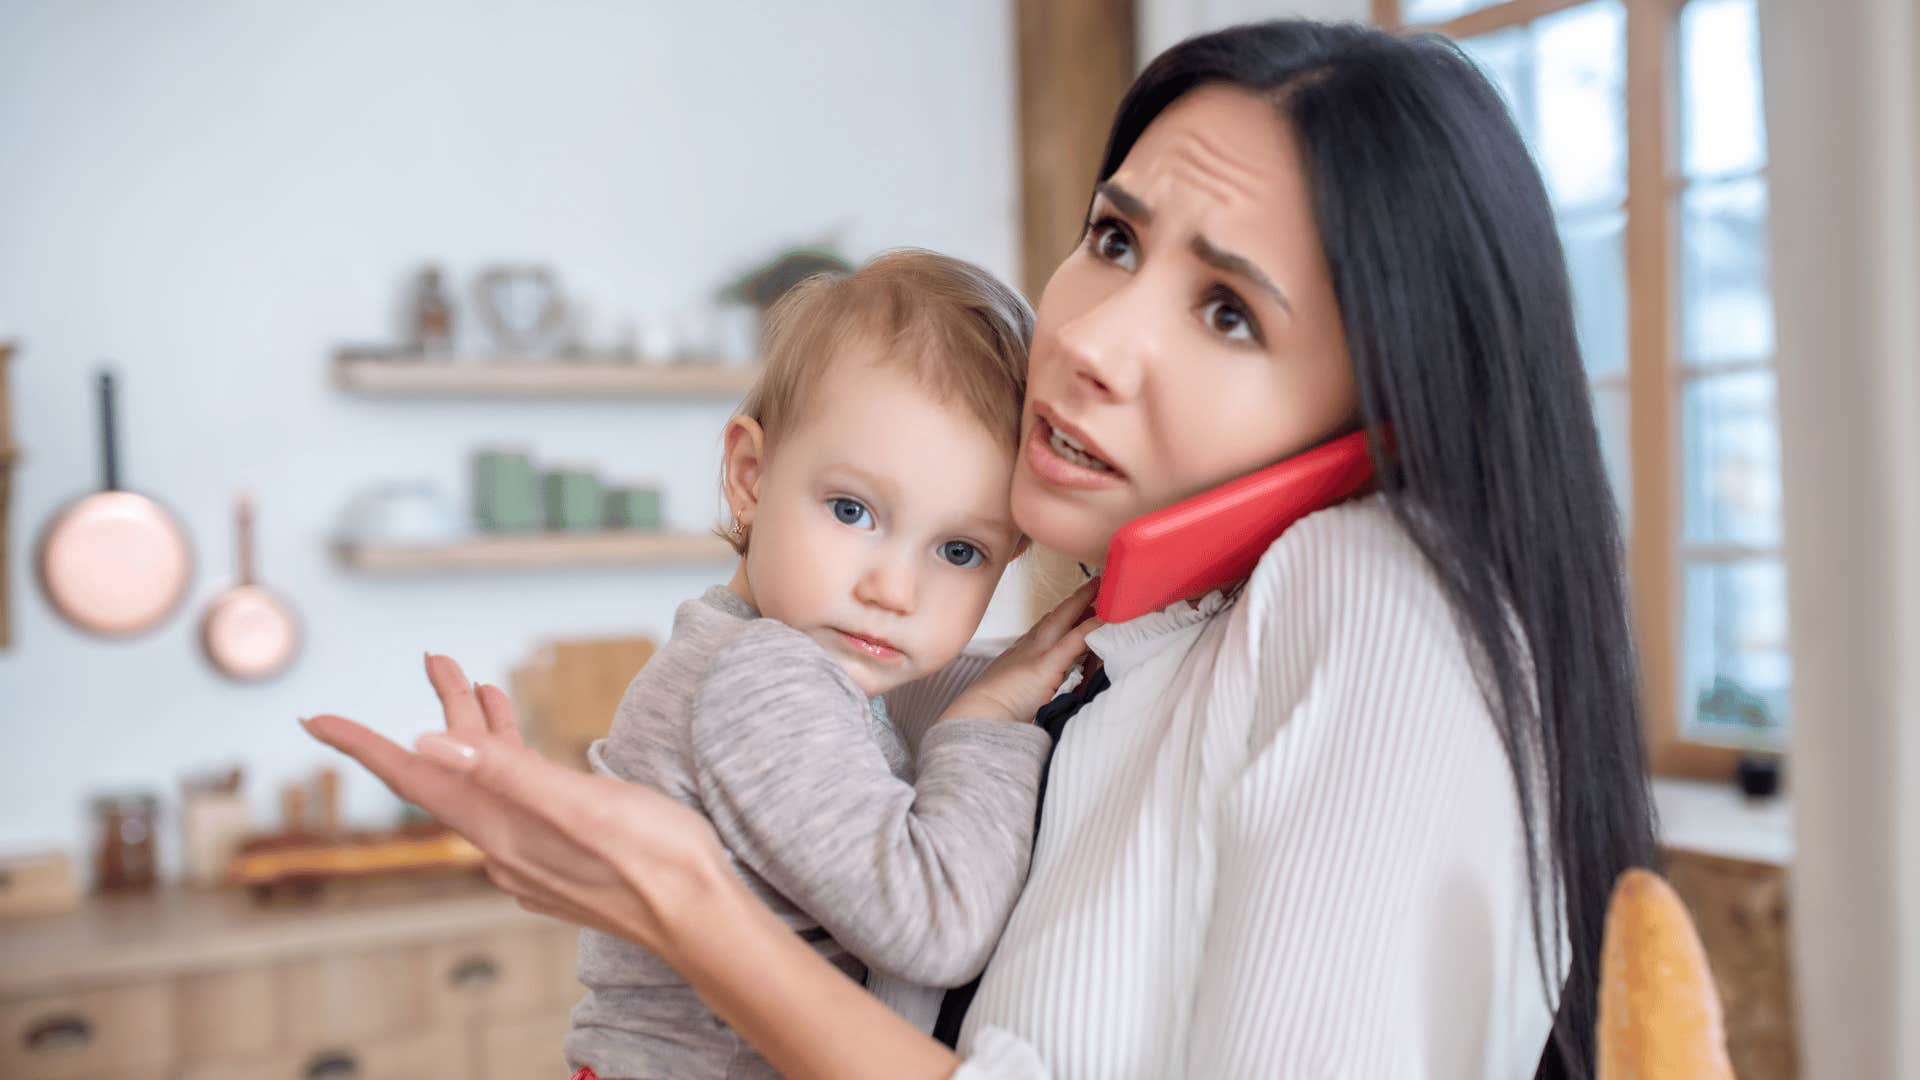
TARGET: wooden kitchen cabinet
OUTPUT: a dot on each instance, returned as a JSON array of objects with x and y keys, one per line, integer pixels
[
  {"x": 450, "y": 979},
  {"x": 108, "y": 1031}
]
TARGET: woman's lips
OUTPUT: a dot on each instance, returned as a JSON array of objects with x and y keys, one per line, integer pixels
[
  {"x": 1050, "y": 467},
  {"x": 878, "y": 650}
]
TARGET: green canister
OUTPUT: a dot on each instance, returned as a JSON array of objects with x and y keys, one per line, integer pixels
[
  {"x": 633, "y": 508},
  {"x": 506, "y": 493},
  {"x": 573, "y": 500}
]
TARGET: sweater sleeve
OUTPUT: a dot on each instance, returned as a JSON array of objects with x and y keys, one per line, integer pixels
[
  {"x": 915, "y": 706},
  {"x": 1368, "y": 853},
  {"x": 916, "y": 880}
]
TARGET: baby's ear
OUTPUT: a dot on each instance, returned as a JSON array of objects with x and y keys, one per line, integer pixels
[{"x": 744, "y": 458}]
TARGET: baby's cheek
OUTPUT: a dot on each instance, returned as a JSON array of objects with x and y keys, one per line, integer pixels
[{"x": 960, "y": 614}]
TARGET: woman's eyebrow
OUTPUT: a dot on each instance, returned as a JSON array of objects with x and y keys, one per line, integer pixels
[
  {"x": 1228, "y": 263},
  {"x": 1124, "y": 201}
]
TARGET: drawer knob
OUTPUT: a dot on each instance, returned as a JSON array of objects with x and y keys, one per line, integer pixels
[
  {"x": 333, "y": 1066},
  {"x": 60, "y": 1034},
  {"x": 474, "y": 972}
]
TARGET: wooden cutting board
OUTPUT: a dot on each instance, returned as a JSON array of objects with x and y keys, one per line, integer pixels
[{"x": 37, "y": 884}]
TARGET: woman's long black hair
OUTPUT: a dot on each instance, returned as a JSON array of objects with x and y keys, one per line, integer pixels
[{"x": 1459, "y": 318}]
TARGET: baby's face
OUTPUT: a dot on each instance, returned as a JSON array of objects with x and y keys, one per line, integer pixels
[{"x": 882, "y": 525}]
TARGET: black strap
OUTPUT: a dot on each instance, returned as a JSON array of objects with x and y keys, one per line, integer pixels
[{"x": 1052, "y": 718}]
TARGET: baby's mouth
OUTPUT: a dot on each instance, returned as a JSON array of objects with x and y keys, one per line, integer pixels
[{"x": 872, "y": 647}]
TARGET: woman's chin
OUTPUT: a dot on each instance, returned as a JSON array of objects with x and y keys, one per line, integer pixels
[{"x": 1064, "y": 525}]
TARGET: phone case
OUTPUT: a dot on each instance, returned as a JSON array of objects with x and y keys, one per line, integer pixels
[{"x": 1216, "y": 537}]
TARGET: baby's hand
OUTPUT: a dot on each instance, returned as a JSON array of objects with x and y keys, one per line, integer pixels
[{"x": 1025, "y": 677}]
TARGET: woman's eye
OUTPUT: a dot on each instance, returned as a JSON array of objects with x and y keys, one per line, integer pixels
[
  {"x": 1112, "y": 243},
  {"x": 962, "y": 554},
  {"x": 1228, "y": 319},
  {"x": 850, "y": 512}
]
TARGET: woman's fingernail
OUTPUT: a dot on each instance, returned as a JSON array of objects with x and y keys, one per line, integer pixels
[{"x": 446, "y": 750}]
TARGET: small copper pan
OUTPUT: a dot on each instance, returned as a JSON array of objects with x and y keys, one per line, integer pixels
[
  {"x": 248, "y": 632},
  {"x": 114, "y": 563}
]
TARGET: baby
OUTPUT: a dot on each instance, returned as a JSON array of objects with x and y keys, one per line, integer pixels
[{"x": 867, "y": 474}]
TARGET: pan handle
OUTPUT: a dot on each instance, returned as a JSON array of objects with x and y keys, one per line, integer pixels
[
  {"x": 243, "y": 523},
  {"x": 109, "y": 451}
]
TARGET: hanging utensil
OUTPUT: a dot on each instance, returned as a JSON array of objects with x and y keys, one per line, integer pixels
[
  {"x": 114, "y": 563},
  {"x": 248, "y": 632},
  {"x": 9, "y": 455}
]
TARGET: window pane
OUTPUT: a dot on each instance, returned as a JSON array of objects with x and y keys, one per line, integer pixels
[
  {"x": 1610, "y": 414},
  {"x": 1732, "y": 476},
  {"x": 1726, "y": 307},
  {"x": 1431, "y": 11},
  {"x": 1738, "y": 671},
  {"x": 1580, "y": 79},
  {"x": 1597, "y": 266},
  {"x": 1721, "y": 129}
]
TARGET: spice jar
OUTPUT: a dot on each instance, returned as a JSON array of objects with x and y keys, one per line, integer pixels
[{"x": 125, "y": 856}]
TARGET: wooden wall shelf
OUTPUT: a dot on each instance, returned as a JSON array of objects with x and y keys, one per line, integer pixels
[
  {"x": 535, "y": 551},
  {"x": 374, "y": 375}
]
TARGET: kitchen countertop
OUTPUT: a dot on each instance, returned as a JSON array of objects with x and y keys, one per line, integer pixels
[
  {"x": 175, "y": 931},
  {"x": 1719, "y": 820}
]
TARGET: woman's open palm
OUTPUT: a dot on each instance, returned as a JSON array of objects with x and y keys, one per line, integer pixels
[{"x": 583, "y": 848}]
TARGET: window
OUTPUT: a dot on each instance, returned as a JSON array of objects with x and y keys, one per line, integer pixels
[{"x": 1645, "y": 118}]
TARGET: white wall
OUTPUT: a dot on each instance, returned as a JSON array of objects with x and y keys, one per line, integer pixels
[
  {"x": 1843, "y": 124},
  {"x": 215, "y": 194},
  {"x": 1164, "y": 22}
]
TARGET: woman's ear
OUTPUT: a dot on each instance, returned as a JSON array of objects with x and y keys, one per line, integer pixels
[{"x": 744, "y": 456}]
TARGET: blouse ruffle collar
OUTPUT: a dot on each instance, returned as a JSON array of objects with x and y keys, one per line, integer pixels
[{"x": 1128, "y": 644}]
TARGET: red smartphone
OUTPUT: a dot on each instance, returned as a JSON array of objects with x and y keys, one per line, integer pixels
[{"x": 1216, "y": 537}]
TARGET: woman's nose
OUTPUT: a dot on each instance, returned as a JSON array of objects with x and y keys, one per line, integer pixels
[
  {"x": 889, "y": 584},
  {"x": 1104, "y": 346}
]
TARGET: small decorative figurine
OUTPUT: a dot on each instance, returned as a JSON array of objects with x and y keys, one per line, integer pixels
[{"x": 431, "y": 332}]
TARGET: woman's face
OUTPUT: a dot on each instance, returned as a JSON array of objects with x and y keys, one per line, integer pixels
[{"x": 1191, "y": 338}]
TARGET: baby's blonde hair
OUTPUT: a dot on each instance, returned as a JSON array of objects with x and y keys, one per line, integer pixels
[{"x": 956, "y": 328}]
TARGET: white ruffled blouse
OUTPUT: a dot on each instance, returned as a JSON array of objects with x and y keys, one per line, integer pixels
[{"x": 1285, "y": 842}]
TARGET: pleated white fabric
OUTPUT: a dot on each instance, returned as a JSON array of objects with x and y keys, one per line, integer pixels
[{"x": 1285, "y": 842}]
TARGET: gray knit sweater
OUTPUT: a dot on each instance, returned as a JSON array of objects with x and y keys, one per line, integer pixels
[{"x": 902, "y": 871}]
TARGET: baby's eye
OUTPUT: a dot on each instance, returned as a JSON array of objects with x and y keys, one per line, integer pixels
[
  {"x": 962, "y": 554},
  {"x": 850, "y": 512}
]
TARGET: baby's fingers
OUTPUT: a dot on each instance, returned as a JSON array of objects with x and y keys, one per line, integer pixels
[
  {"x": 1047, "y": 632},
  {"x": 1072, "y": 645}
]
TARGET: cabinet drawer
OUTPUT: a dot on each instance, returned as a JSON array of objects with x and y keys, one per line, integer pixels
[
  {"x": 501, "y": 975},
  {"x": 125, "y": 1030},
  {"x": 351, "y": 997},
  {"x": 438, "y": 1053},
  {"x": 523, "y": 1049},
  {"x": 227, "y": 1014}
]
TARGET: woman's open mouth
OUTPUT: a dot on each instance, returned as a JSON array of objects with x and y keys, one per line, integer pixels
[{"x": 1061, "y": 458}]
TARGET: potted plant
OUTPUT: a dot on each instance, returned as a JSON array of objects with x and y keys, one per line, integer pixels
[{"x": 1729, "y": 706}]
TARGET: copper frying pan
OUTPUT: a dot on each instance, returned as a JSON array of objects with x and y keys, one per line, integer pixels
[
  {"x": 248, "y": 632},
  {"x": 114, "y": 563}
]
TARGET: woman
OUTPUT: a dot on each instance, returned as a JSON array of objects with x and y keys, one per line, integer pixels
[{"x": 1356, "y": 816}]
